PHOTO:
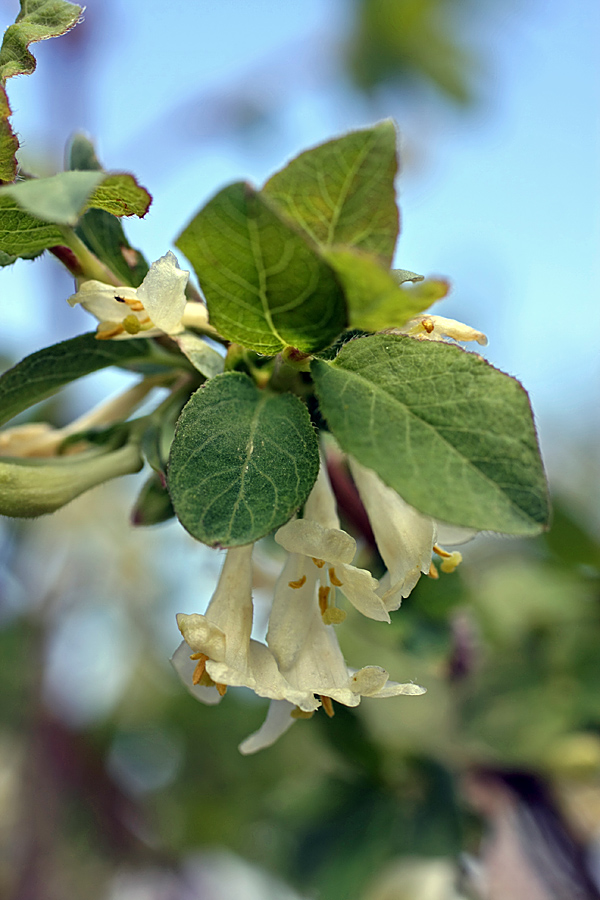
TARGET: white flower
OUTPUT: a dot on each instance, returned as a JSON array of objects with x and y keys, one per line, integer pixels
[
  {"x": 406, "y": 539},
  {"x": 434, "y": 328},
  {"x": 329, "y": 551},
  {"x": 158, "y": 305},
  {"x": 222, "y": 649}
]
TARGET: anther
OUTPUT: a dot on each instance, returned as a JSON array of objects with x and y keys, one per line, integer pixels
[
  {"x": 298, "y": 584},
  {"x": 107, "y": 330},
  {"x": 334, "y": 579},
  {"x": 200, "y": 667},
  {"x": 222, "y": 688},
  {"x": 323, "y": 598},
  {"x": 441, "y": 552},
  {"x": 433, "y": 572},
  {"x": 319, "y": 563},
  {"x": 328, "y": 706},
  {"x": 428, "y": 325},
  {"x": 298, "y": 713}
]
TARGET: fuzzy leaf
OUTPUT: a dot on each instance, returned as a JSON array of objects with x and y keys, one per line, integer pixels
[
  {"x": 454, "y": 436},
  {"x": 43, "y": 373},
  {"x": 266, "y": 287},
  {"x": 242, "y": 461},
  {"x": 342, "y": 192}
]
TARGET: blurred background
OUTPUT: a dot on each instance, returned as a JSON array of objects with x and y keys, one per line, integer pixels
[{"x": 114, "y": 783}]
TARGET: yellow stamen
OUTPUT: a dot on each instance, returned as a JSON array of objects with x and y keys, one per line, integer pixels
[
  {"x": 298, "y": 713},
  {"x": 319, "y": 563},
  {"x": 441, "y": 552},
  {"x": 206, "y": 680},
  {"x": 433, "y": 572},
  {"x": 450, "y": 564},
  {"x": 427, "y": 325},
  {"x": 222, "y": 688},
  {"x": 200, "y": 667},
  {"x": 298, "y": 584},
  {"x": 323, "y": 598},
  {"x": 333, "y": 578},
  {"x": 333, "y": 616},
  {"x": 328, "y": 706},
  {"x": 107, "y": 330}
]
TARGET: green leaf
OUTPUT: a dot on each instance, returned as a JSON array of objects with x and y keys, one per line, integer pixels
[
  {"x": 9, "y": 143},
  {"x": 38, "y": 20},
  {"x": 242, "y": 461},
  {"x": 374, "y": 297},
  {"x": 266, "y": 287},
  {"x": 61, "y": 199},
  {"x": 342, "y": 192},
  {"x": 20, "y": 234},
  {"x": 102, "y": 232},
  {"x": 43, "y": 373},
  {"x": 451, "y": 434}
]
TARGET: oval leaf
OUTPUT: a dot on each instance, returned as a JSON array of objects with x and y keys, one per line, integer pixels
[
  {"x": 342, "y": 192},
  {"x": 451, "y": 434},
  {"x": 266, "y": 286},
  {"x": 242, "y": 461}
]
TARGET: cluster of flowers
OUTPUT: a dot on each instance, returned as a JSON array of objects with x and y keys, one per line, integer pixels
[{"x": 301, "y": 666}]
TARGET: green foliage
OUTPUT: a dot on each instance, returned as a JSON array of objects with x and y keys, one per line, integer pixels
[
  {"x": 374, "y": 297},
  {"x": 153, "y": 504},
  {"x": 410, "y": 41},
  {"x": 101, "y": 231},
  {"x": 275, "y": 290},
  {"x": 61, "y": 199},
  {"x": 342, "y": 192},
  {"x": 451, "y": 434},
  {"x": 42, "y": 374},
  {"x": 38, "y": 20},
  {"x": 242, "y": 461}
]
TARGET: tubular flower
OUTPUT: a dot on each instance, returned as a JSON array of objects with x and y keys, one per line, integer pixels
[
  {"x": 406, "y": 539},
  {"x": 157, "y": 306},
  {"x": 328, "y": 552},
  {"x": 435, "y": 328},
  {"x": 222, "y": 651}
]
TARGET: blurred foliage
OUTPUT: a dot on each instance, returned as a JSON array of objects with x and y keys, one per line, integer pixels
[
  {"x": 408, "y": 41},
  {"x": 507, "y": 648}
]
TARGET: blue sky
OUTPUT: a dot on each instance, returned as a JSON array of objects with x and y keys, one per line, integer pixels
[{"x": 504, "y": 200}]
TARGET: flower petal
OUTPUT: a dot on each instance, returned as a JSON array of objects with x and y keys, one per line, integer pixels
[
  {"x": 311, "y": 539},
  {"x": 359, "y": 586},
  {"x": 404, "y": 536},
  {"x": 279, "y": 720},
  {"x": 184, "y": 666},
  {"x": 163, "y": 293},
  {"x": 201, "y": 636}
]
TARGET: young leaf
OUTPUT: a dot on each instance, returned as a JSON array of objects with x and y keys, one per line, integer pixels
[
  {"x": 454, "y": 436},
  {"x": 375, "y": 298},
  {"x": 265, "y": 285},
  {"x": 43, "y": 373},
  {"x": 63, "y": 198},
  {"x": 242, "y": 461},
  {"x": 38, "y": 20},
  {"x": 153, "y": 504},
  {"x": 342, "y": 192}
]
